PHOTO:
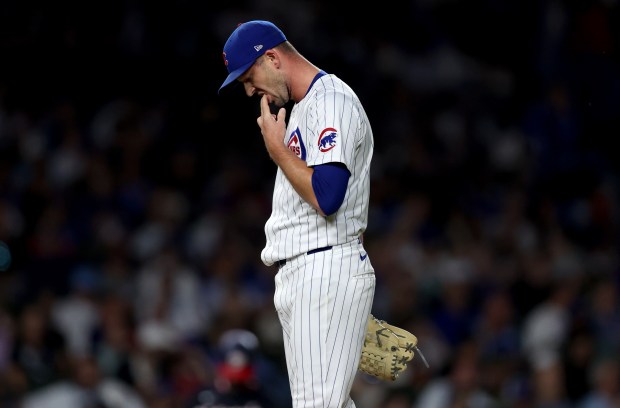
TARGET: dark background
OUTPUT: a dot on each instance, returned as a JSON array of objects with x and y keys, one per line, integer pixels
[{"x": 133, "y": 197}]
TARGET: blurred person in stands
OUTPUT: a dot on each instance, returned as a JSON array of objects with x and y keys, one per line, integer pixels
[
  {"x": 548, "y": 386},
  {"x": 13, "y": 381},
  {"x": 460, "y": 387},
  {"x": 545, "y": 328},
  {"x": 114, "y": 341},
  {"x": 497, "y": 335},
  {"x": 605, "y": 381},
  {"x": 168, "y": 291},
  {"x": 577, "y": 356},
  {"x": 86, "y": 388},
  {"x": 243, "y": 377},
  {"x": 39, "y": 350},
  {"x": 604, "y": 315},
  {"x": 76, "y": 315}
]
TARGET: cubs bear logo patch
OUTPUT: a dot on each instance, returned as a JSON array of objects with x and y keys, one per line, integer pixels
[
  {"x": 327, "y": 139},
  {"x": 296, "y": 144}
]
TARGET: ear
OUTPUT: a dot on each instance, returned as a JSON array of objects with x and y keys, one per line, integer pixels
[{"x": 273, "y": 57}]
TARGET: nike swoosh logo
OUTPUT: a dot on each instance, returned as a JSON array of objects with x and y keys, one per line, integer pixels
[{"x": 363, "y": 257}]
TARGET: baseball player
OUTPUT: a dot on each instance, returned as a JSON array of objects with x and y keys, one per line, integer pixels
[{"x": 325, "y": 282}]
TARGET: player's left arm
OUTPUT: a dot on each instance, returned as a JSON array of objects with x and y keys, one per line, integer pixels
[
  {"x": 273, "y": 128},
  {"x": 329, "y": 182}
]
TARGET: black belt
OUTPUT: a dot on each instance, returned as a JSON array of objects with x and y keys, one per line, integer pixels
[{"x": 282, "y": 262}]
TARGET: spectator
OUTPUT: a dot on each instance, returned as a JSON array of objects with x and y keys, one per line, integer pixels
[
  {"x": 605, "y": 380},
  {"x": 460, "y": 387},
  {"x": 242, "y": 376},
  {"x": 38, "y": 349},
  {"x": 86, "y": 388},
  {"x": 76, "y": 315},
  {"x": 546, "y": 327}
]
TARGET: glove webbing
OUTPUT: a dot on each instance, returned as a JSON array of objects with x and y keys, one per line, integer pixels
[{"x": 409, "y": 347}]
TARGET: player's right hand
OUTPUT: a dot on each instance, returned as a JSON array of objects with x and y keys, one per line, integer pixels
[
  {"x": 272, "y": 126},
  {"x": 268, "y": 108}
]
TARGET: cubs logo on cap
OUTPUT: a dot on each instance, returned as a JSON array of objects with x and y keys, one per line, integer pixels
[{"x": 249, "y": 41}]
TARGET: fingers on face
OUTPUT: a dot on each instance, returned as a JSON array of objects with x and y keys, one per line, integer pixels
[{"x": 264, "y": 105}]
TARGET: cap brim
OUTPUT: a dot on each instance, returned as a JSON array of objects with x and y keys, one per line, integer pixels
[{"x": 234, "y": 75}]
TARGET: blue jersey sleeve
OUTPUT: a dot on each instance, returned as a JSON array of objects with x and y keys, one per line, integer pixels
[{"x": 329, "y": 182}]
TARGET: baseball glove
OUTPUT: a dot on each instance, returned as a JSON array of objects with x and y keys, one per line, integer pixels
[{"x": 387, "y": 349}]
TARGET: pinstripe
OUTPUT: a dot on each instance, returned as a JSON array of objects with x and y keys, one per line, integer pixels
[
  {"x": 340, "y": 324},
  {"x": 311, "y": 329},
  {"x": 320, "y": 328},
  {"x": 299, "y": 335},
  {"x": 348, "y": 140}
]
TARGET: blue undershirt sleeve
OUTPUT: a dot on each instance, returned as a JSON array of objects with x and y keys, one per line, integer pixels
[{"x": 329, "y": 182}]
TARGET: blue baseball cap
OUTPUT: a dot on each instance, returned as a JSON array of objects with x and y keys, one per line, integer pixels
[{"x": 249, "y": 41}]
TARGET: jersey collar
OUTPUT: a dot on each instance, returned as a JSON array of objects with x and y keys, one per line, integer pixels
[{"x": 317, "y": 76}]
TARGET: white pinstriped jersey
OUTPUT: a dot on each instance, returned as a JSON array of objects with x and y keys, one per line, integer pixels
[{"x": 328, "y": 125}]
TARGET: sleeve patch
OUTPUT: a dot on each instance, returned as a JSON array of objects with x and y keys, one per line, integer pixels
[
  {"x": 296, "y": 145},
  {"x": 327, "y": 139}
]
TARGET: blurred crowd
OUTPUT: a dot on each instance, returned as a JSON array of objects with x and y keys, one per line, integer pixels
[{"x": 133, "y": 200}]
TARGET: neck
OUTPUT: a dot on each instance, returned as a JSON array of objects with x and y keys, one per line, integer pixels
[{"x": 302, "y": 74}]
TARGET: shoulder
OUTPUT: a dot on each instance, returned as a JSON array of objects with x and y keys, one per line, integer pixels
[
  {"x": 332, "y": 83},
  {"x": 331, "y": 90}
]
